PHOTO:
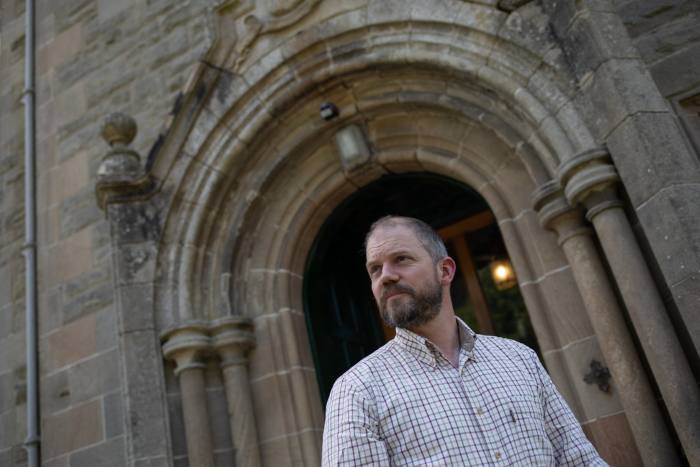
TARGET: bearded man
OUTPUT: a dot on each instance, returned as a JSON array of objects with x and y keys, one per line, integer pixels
[{"x": 438, "y": 394}]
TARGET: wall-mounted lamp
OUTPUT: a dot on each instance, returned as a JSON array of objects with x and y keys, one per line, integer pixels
[{"x": 503, "y": 274}]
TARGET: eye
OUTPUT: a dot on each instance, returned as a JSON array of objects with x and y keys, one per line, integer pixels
[
  {"x": 373, "y": 270},
  {"x": 402, "y": 258}
]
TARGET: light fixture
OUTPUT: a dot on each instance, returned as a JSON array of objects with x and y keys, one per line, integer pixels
[
  {"x": 328, "y": 111},
  {"x": 503, "y": 274}
]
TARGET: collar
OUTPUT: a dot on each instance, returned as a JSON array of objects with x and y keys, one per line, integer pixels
[{"x": 427, "y": 352}]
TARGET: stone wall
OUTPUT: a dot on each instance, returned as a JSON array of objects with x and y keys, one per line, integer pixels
[
  {"x": 99, "y": 56},
  {"x": 666, "y": 35},
  {"x": 93, "y": 58}
]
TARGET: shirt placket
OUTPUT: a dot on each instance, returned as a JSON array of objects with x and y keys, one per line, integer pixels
[{"x": 484, "y": 418}]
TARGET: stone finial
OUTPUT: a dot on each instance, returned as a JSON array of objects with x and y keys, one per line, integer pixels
[
  {"x": 120, "y": 175},
  {"x": 118, "y": 129}
]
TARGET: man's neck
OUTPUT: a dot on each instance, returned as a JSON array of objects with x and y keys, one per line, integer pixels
[{"x": 442, "y": 331}]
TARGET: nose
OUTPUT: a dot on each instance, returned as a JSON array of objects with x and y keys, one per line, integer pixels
[{"x": 388, "y": 275}]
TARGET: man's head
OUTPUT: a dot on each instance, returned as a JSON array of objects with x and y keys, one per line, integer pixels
[{"x": 409, "y": 268}]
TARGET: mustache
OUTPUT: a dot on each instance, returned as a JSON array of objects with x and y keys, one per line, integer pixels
[{"x": 397, "y": 288}]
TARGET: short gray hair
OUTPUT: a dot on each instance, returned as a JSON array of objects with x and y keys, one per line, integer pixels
[{"x": 425, "y": 234}]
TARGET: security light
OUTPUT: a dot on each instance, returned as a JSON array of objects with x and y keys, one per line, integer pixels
[{"x": 329, "y": 111}]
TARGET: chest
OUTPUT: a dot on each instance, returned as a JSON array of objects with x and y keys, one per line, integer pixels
[{"x": 463, "y": 409}]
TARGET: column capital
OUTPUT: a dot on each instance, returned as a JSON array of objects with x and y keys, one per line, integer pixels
[
  {"x": 233, "y": 338},
  {"x": 587, "y": 173},
  {"x": 185, "y": 345},
  {"x": 555, "y": 213}
]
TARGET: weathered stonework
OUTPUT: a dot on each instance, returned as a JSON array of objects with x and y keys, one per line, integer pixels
[{"x": 204, "y": 218}]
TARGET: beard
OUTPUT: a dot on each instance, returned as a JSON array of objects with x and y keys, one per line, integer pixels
[{"x": 413, "y": 309}]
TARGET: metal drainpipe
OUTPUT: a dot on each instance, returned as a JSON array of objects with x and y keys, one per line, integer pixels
[{"x": 32, "y": 442}]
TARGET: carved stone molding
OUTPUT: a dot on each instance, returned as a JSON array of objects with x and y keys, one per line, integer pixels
[
  {"x": 237, "y": 25},
  {"x": 587, "y": 173},
  {"x": 555, "y": 213},
  {"x": 233, "y": 338},
  {"x": 511, "y": 5},
  {"x": 186, "y": 345},
  {"x": 549, "y": 201}
]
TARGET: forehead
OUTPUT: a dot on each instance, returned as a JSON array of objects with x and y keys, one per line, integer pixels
[{"x": 388, "y": 239}]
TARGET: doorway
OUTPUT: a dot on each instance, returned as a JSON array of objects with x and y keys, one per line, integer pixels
[{"x": 341, "y": 316}]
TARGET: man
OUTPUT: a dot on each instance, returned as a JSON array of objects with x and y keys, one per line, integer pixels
[{"x": 438, "y": 394}]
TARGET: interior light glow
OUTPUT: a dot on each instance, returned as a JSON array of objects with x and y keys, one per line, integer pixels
[{"x": 503, "y": 274}]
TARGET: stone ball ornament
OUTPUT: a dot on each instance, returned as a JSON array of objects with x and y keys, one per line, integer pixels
[{"x": 118, "y": 129}]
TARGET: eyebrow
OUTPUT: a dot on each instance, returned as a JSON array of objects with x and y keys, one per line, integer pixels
[{"x": 402, "y": 251}]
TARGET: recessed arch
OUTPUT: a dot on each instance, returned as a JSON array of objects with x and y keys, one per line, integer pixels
[
  {"x": 522, "y": 105},
  {"x": 258, "y": 174},
  {"x": 269, "y": 266}
]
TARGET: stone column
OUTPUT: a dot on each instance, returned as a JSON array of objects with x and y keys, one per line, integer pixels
[
  {"x": 591, "y": 180},
  {"x": 185, "y": 346},
  {"x": 232, "y": 338},
  {"x": 643, "y": 414}
]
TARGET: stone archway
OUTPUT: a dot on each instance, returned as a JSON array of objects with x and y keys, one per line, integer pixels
[
  {"x": 256, "y": 173},
  {"x": 269, "y": 276}
]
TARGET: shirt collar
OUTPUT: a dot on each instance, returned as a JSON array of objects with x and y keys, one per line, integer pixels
[{"x": 427, "y": 352}]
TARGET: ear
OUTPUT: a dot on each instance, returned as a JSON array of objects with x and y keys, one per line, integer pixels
[{"x": 446, "y": 270}]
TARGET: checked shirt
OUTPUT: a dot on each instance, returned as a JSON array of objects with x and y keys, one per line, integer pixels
[{"x": 407, "y": 405}]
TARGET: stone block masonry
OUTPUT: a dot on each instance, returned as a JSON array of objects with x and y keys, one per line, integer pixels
[
  {"x": 232, "y": 178},
  {"x": 93, "y": 57}
]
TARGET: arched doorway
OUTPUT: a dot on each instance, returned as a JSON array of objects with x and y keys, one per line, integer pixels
[{"x": 341, "y": 315}]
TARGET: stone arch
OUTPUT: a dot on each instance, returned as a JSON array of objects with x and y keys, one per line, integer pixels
[
  {"x": 234, "y": 169},
  {"x": 269, "y": 273},
  {"x": 222, "y": 135}
]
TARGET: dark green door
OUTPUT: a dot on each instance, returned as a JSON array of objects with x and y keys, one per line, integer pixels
[{"x": 340, "y": 308}]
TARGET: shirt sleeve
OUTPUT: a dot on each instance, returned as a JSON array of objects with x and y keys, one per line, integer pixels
[
  {"x": 351, "y": 433},
  {"x": 571, "y": 447}
]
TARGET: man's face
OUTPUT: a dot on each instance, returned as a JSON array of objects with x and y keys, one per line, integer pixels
[{"x": 405, "y": 280}]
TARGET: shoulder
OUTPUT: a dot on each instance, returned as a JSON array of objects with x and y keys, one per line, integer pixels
[
  {"x": 502, "y": 344},
  {"x": 497, "y": 348},
  {"x": 366, "y": 373}
]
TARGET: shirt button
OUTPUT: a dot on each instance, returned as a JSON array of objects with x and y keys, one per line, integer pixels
[
  {"x": 479, "y": 411},
  {"x": 498, "y": 456}
]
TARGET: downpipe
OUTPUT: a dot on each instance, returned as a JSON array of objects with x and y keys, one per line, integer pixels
[{"x": 33, "y": 440}]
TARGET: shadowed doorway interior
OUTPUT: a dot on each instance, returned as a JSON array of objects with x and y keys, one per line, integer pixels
[{"x": 341, "y": 316}]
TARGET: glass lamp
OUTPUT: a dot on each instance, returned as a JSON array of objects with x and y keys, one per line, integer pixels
[{"x": 503, "y": 274}]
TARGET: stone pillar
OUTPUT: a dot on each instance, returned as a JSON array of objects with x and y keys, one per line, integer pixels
[
  {"x": 591, "y": 180},
  {"x": 232, "y": 338},
  {"x": 185, "y": 346},
  {"x": 643, "y": 414}
]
